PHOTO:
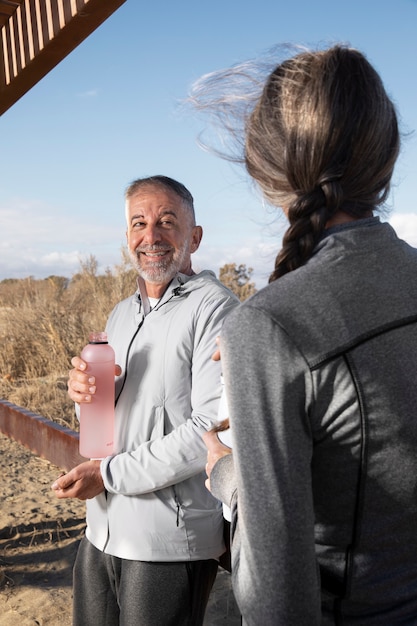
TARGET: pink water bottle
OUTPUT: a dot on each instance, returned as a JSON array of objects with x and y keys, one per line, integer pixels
[{"x": 97, "y": 417}]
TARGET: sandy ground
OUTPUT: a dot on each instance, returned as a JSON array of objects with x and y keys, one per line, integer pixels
[{"x": 39, "y": 535}]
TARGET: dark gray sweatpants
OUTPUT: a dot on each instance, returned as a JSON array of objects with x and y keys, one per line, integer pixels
[{"x": 109, "y": 591}]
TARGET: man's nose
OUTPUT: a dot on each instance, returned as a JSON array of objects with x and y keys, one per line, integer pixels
[{"x": 152, "y": 234}]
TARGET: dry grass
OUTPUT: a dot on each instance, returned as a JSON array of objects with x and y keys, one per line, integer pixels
[
  {"x": 46, "y": 396},
  {"x": 43, "y": 323}
]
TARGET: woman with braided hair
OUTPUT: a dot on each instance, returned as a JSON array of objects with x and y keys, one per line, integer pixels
[{"x": 320, "y": 366}]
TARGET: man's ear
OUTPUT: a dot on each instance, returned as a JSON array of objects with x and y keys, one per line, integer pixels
[{"x": 196, "y": 238}]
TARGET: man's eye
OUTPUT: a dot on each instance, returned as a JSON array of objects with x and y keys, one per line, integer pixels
[{"x": 138, "y": 224}]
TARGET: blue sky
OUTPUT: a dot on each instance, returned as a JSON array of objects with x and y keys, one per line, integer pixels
[{"x": 111, "y": 112}]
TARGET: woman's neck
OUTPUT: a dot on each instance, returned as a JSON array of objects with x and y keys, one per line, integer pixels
[{"x": 343, "y": 218}]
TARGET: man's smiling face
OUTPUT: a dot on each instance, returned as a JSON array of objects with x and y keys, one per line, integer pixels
[{"x": 161, "y": 236}]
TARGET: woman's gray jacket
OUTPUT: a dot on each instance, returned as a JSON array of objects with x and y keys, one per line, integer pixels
[
  {"x": 156, "y": 506},
  {"x": 321, "y": 375}
]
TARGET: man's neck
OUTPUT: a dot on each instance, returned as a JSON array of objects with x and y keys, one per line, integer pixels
[{"x": 155, "y": 290}]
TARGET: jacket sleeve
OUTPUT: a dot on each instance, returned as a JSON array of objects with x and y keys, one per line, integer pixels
[
  {"x": 223, "y": 480},
  {"x": 180, "y": 454},
  {"x": 269, "y": 389}
]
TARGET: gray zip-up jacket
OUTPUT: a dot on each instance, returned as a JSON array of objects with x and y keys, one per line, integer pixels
[
  {"x": 321, "y": 375},
  {"x": 156, "y": 506}
]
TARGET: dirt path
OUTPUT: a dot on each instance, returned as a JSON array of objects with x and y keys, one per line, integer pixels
[{"x": 39, "y": 535}]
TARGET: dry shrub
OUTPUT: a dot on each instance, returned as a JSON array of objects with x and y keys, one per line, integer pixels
[
  {"x": 43, "y": 323},
  {"x": 46, "y": 396}
]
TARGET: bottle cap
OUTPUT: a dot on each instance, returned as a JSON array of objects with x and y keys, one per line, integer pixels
[{"x": 98, "y": 338}]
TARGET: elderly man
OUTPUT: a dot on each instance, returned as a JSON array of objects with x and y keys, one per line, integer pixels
[{"x": 154, "y": 532}]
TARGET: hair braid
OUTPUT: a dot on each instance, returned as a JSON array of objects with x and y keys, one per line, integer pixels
[{"x": 307, "y": 216}]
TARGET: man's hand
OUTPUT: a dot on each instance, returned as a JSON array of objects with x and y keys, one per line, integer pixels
[
  {"x": 216, "y": 450},
  {"x": 82, "y": 482},
  {"x": 81, "y": 385}
]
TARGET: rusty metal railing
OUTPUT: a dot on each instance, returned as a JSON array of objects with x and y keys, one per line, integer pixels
[{"x": 42, "y": 436}]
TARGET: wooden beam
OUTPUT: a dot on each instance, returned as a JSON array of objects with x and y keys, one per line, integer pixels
[{"x": 39, "y": 35}]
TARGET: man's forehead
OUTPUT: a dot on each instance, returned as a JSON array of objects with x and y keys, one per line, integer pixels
[
  {"x": 152, "y": 202},
  {"x": 156, "y": 199}
]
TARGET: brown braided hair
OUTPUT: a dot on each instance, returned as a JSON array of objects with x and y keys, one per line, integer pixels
[{"x": 322, "y": 138}]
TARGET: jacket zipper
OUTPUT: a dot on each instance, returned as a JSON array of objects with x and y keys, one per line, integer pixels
[
  {"x": 178, "y": 506},
  {"x": 127, "y": 360}
]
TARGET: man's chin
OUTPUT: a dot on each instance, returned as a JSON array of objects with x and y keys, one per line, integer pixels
[{"x": 156, "y": 277}]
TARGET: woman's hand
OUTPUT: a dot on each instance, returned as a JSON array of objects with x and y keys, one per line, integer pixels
[
  {"x": 216, "y": 354},
  {"x": 216, "y": 450}
]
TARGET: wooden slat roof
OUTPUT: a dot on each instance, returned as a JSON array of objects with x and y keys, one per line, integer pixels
[
  {"x": 7, "y": 8},
  {"x": 35, "y": 35}
]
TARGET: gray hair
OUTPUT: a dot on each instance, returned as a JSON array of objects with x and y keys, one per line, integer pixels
[{"x": 164, "y": 182}]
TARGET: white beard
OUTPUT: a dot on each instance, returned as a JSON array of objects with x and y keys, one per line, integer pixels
[{"x": 164, "y": 270}]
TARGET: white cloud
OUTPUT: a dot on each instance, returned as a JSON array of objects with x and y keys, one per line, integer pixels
[
  {"x": 405, "y": 225},
  {"x": 90, "y": 93},
  {"x": 256, "y": 255},
  {"x": 38, "y": 241}
]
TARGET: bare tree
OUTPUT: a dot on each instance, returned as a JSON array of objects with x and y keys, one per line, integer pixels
[{"x": 238, "y": 280}]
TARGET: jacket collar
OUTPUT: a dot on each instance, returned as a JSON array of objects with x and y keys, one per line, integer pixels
[{"x": 180, "y": 285}]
